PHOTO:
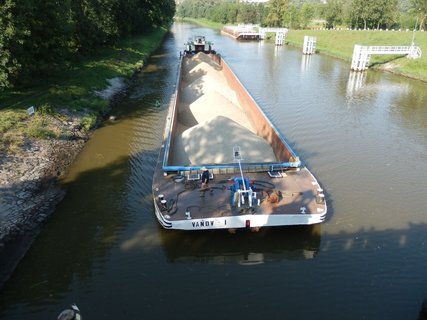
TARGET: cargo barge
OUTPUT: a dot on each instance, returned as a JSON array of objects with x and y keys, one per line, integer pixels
[{"x": 223, "y": 164}]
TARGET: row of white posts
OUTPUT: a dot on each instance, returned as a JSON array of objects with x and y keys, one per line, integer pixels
[
  {"x": 361, "y": 54},
  {"x": 309, "y": 42}
]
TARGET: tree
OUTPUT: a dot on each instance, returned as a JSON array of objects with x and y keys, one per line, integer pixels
[
  {"x": 276, "y": 12},
  {"x": 306, "y": 14},
  {"x": 419, "y": 8},
  {"x": 374, "y": 14},
  {"x": 291, "y": 18},
  {"x": 333, "y": 13},
  {"x": 362, "y": 10},
  {"x": 46, "y": 34},
  {"x": 218, "y": 14},
  {"x": 38, "y": 37},
  {"x": 385, "y": 13},
  {"x": 10, "y": 36},
  {"x": 248, "y": 13},
  {"x": 94, "y": 23}
]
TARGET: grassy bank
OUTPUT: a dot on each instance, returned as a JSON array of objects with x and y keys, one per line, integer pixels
[
  {"x": 70, "y": 93},
  {"x": 340, "y": 44}
]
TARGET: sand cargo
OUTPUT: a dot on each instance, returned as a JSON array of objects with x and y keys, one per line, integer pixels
[{"x": 214, "y": 127}]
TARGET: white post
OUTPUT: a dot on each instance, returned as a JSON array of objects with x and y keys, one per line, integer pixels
[
  {"x": 355, "y": 58},
  {"x": 313, "y": 44},
  {"x": 309, "y": 45},
  {"x": 279, "y": 38},
  {"x": 360, "y": 58},
  {"x": 304, "y": 48}
]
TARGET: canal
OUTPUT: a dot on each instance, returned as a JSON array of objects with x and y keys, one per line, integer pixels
[{"x": 364, "y": 137}]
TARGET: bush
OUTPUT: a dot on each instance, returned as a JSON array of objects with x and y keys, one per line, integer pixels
[
  {"x": 8, "y": 119},
  {"x": 88, "y": 122},
  {"x": 38, "y": 127},
  {"x": 45, "y": 109}
]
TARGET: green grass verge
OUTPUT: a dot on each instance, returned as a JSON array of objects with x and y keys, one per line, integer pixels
[
  {"x": 340, "y": 44},
  {"x": 72, "y": 89}
]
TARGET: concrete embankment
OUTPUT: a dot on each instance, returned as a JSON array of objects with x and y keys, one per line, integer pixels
[{"x": 29, "y": 194}]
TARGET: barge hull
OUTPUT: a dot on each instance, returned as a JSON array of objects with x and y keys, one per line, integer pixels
[{"x": 275, "y": 193}]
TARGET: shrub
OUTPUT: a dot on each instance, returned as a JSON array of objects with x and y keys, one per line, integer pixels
[
  {"x": 88, "y": 122},
  {"x": 38, "y": 127},
  {"x": 45, "y": 109},
  {"x": 8, "y": 119}
]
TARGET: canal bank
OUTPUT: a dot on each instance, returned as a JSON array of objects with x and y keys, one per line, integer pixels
[
  {"x": 340, "y": 44},
  {"x": 29, "y": 176}
]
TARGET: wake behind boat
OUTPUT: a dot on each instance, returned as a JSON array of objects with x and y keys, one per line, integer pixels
[{"x": 215, "y": 131}]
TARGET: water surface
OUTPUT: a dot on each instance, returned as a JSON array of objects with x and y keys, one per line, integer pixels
[{"x": 363, "y": 135}]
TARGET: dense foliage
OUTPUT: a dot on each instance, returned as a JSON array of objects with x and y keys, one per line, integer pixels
[
  {"x": 38, "y": 37},
  {"x": 296, "y": 14}
]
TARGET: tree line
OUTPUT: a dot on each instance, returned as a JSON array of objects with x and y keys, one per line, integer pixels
[
  {"x": 298, "y": 14},
  {"x": 38, "y": 37}
]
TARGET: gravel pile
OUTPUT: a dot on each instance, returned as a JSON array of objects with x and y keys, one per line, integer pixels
[{"x": 210, "y": 120}]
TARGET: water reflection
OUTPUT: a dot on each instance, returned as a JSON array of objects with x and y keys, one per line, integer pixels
[
  {"x": 278, "y": 51},
  {"x": 305, "y": 62},
  {"x": 356, "y": 80},
  {"x": 423, "y": 312},
  {"x": 409, "y": 109},
  {"x": 244, "y": 248}
]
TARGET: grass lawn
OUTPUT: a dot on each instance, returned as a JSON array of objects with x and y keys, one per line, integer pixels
[
  {"x": 72, "y": 89},
  {"x": 340, "y": 43}
]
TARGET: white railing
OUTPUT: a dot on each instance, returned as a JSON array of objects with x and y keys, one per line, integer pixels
[
  {"x": 249, "y": 30},
  {"x": 280, "y": 34},
  {"x": 361, "y": 54},
  {"x": 284, "y": 30},
  {"x": 388, "y": 49}
]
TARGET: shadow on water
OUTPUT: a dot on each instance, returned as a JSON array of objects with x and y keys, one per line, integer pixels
[
  {"x": 244, "y": 248},
  {"x": 77, "y": 239}
]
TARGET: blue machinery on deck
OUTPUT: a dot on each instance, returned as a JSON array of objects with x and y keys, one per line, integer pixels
[{"x": 241, "y": 186}]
